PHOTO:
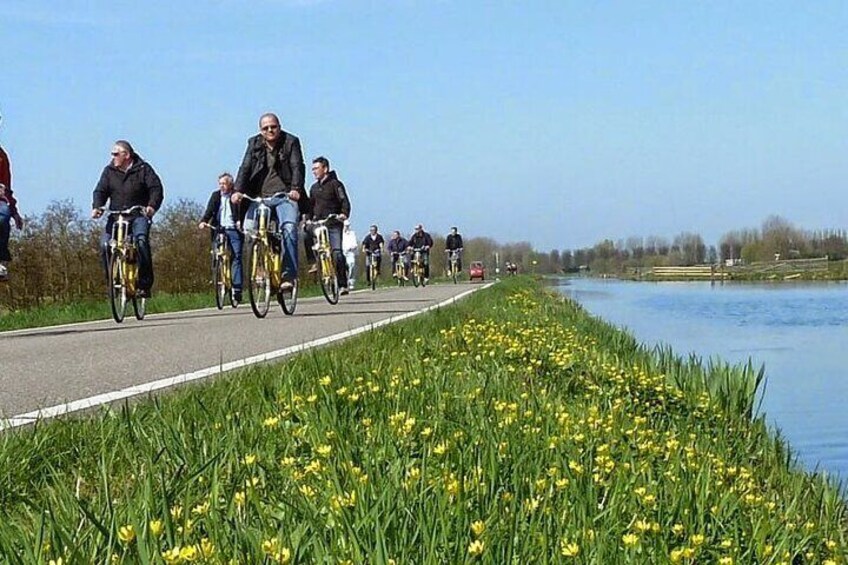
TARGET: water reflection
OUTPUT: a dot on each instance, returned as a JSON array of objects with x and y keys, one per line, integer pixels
[{"x": 799, "y": 331}]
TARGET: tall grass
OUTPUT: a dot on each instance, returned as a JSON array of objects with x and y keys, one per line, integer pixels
[{"x": 512, "y": 428}]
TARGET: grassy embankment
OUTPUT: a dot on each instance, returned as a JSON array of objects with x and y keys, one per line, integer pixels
[{"x": 512, "y": 428}]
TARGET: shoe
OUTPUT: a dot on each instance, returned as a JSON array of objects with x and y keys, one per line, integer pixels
[
  {"x": 236, "y": 296},
  {"x": 142, "y": 293},
  {"x": 426, "y": 281},
  {"x": 405, "y": 278},
  {"x": 313, "y": 269},
  {"x": 4, "y": 273},
  {"x": 344, "y": 291},
  {"x": 287, "y": 286},
  {"x": 350, "y": 286}
]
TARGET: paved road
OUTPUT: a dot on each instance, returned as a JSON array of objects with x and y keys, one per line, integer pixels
[{"x": 50, "y": 366}]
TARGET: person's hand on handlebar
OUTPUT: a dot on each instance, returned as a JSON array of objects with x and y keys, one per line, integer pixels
[
  {"x": 149, "y": 211},
  {"x": 202, "y": 225},
  {"x": 294, "y": 195},
  {"x": 236, "y": 197},
  {"x": 96, "y": 213}
]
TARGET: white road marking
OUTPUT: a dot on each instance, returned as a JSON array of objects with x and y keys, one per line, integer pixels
[{"x": 108, "y": 397}]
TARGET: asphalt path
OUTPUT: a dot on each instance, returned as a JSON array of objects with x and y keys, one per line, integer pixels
[{"x": 52, "y": 366}]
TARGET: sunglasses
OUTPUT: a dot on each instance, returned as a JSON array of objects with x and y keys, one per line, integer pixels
[
  {"x": 270, "y": 128},
  {"x": 116, "y": 153}
]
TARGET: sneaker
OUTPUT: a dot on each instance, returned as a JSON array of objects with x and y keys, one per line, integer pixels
[
  {"x": 142, "y": 293},
  {"x": 313, "y": 269},
  {"x": 350, "y": 286},
  {"x": 344, "y": 291},
  {"x": 4, "y": 272},
  {"x": 236, "y": 296},
  {"x": 426, "y": 281},
  {"x": 405, "y": 278},
  {"x": 287, "y": 286}
]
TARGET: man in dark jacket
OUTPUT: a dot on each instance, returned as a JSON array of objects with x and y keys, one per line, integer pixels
[
  {"x": 423, "y": 241},
  {"x": 8, "y": 212},
  {"x": 453, "y": 242},
  {"x": 397, "y": 247},
  {"x": 328, "y": 196},
  {"x": 221, "y": 212},
  {"x": 126, "y": 182},
  {"x": 273, "y": 168}
]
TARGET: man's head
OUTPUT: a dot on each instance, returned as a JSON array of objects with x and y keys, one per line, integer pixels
[
  {"x": 225, "y": 182},
  {"x": 122, "y": 154},
  {"x": 395, "y": 234},
  {"x": 454, "y": 230},
  {"x": 269, "y": 127},
  {"x": 419, "y": 228},
  {"x": 320, "y": 167},
  {"x": 373, "y": 229}
]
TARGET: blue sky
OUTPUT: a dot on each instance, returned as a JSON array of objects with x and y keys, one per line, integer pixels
[{"x": 559, "y": 122}]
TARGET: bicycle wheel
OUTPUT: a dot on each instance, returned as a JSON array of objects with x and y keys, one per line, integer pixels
[
  {"x": 220, "y": 283},
  {"x": 329, "y": 281},
  {"x": 455, "y": 274},
  {"x": 139, "y": 307},
  {"x": 416, "y": 275},
  {"x": 259, "y": 288},
  {"x": 373, "y": 275},
  {"x": 117, "y": 286},
  {"x": 288, "y": 299}
]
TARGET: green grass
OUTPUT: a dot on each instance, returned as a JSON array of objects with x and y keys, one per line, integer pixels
[{"x": 511, "y": 428}]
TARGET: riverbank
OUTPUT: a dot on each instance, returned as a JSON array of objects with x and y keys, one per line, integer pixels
[{"x": 510, "y": 427}]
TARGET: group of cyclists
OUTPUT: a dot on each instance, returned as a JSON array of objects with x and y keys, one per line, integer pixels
[{"x": 272, "y": 172}]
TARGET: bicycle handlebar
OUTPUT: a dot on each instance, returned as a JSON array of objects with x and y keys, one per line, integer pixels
[
  {"x": 331, "y": 218},
  {"x": 127, "y": 212},
  {"x": 262, "y": 199}
]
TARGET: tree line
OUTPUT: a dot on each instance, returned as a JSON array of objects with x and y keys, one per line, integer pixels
[{"x": 57, "y": 257}]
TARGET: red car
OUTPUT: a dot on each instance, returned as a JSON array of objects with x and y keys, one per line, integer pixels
[{"x": 477, "y": 271}]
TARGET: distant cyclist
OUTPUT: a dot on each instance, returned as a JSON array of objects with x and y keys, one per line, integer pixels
[
  {"x": 127, "y": 181},
  {"x": 221, "y": 212},
  {"x": 397, "y": 248},
  {"x": 373, "y": 244},
  {"x": 8, "y": 212},
  {"x": 454, "y": 243},
  {"x": 327, "y": 197},
  {"x": 273, "y": 168},
  {"x": 349, "y": 247},
  {"x": 422, "y": 240}
]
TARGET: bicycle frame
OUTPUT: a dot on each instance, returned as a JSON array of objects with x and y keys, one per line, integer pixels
[
  {"x": 327, "y": 265},
  {"x": 122, "y": 265}
]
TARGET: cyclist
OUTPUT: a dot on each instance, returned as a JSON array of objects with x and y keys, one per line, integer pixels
[
  {"x": 326, "y": 197},
  {"x": 420, "y": 239},
  {"x": 373, "y": 244},
  {"x": 127, "y": 181},
  {"x": 454, "y": 243},
  {"x": 397, "y": 247},
  {"x": 221, "y": 212},
  {"x": 273, "y": 168},
  {"x": 349, "y": 245},
  {"x": 8, "y": 212}
]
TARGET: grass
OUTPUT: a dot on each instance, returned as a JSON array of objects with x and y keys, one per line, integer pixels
[{"x": 511, "y": 428}]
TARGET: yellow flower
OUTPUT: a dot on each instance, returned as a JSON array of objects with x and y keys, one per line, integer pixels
[
  {"x": 207, "y": 548},
  {"x": 630, "y": 539},
  {"x": 189, "y": 553},
  {"x": 569, "y": 549},
  {"x": 171, "y": 555},
  {"x": 126, "y": 533},
  {"x": 725, "y": 561},
  {"x": 478, "y": 527},
  {"x": 324, "y": 450},
  {"x": 325, "y": 381},
  {"x": 476, "y": 547},
  {"x": 271, "y": 422},
  {"x": 249, "y": 459},
  {"x": 58, "y": 561},
  {"x": 239, "y": 498},
  {"x": 697, "y": 539},
  {"x": 156, "y": 528}
]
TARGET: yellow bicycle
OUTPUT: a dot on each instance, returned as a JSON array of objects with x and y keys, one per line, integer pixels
[
  {"x": 222, "y": 269},
  {"x": 418, "y": 278},
  {"x": 123, "y": 266},
  {"x": 400, "y": 268},
  {"x": 371, "y": 258},
  {"x": 453, "y": 264},
  {"x": 265, "y": 264},
  {"x": 327, "y": 275}
]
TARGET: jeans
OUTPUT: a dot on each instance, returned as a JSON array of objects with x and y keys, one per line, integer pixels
[
  {"x": 5, "y": 231},
  {"x": 140, "y": 232},
  {"x": 234, "y": 241},
  {"x": 287, "y": 216},
  {"x": 334, "y": 230}
]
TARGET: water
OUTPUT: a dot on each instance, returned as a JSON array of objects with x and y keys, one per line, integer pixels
[{"x": 798, "y": 331}]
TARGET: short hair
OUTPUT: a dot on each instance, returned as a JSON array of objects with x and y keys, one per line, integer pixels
[
  {"x": 373, "y": 226},
  {"x": 226, "y": 175},
  {"x": 323, "y": 160},
  {"x": 396, "y": 232},
  {"x": 269, "y": 115},
  {"x": 125, "y": 145}
]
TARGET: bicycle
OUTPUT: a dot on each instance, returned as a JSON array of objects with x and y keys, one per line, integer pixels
[
  {"x": 327, "y": 275},
  {"x": 265, "y": 264},
  {"x": 371, "y": 258},
  {"x": 222, "y": 269},
  {"x": 452, "y": 270},
  {"x": 418, "y": 278},
  {"x": 123, "y": 266},
  {"x": 399, "y": 268}
]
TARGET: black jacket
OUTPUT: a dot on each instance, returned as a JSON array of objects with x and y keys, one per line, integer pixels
[
  {"x": 213, "y": 207},
  {"x": 453, "y": 242},
  {"x": 328, "y": 197},
  {"x": 290, "y": 166},
  {"x": 420, "y": 239},
  {"x": 138, "y": 186}
]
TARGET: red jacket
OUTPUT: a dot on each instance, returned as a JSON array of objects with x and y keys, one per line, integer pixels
[{"x": 6, "y": 178}]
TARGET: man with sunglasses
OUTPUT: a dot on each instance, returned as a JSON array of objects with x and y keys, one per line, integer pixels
[
  {"x": 127, "y": 181},
  {"x": 8, "y": 212},
  {"x": 273, "y": 168}
]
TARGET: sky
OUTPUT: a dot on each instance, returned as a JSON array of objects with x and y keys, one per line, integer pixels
[{"x": 560, "y": 123}]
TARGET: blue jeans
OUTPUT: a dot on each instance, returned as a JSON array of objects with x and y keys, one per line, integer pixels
[
  {"x": 140, "y": 230},
  {"x": 234, "y": 240},
  {"x": 5, "y": 231},
  {"x": 287, "y": 215}
]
